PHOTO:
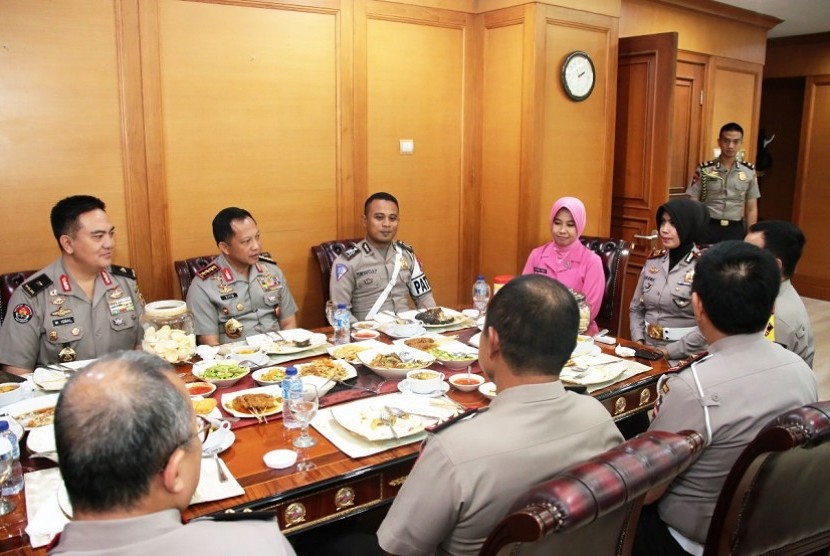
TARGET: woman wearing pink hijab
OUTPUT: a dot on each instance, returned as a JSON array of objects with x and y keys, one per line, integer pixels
[{"x": 566, "y": 259}]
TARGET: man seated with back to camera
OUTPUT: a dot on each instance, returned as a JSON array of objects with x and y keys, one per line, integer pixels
[
  {"x": 789, "y": 324},
  {"x": 470, "y": 473},
  {"x": 727, "y": 396},
  {"x": 130, "y": 455}
]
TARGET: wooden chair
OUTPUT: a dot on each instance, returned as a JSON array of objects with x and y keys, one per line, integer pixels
[
  {"x": 775, "y": 498},
  {"x": 8, "y": 283},
  {"x": 325, "y": 253},
  {"x": 614, "y": 254},
  {"x": 186, "y": 269},
  {"x": 593, "y": 507}
]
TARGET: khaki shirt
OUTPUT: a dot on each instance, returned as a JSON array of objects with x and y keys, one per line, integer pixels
[
  {"x": 259, "y": 300},
  {"x": 747, "y": 381},
  {"x": 163, "y": 533},
  {"x": 791, "y": 324},
  {"x": 359, "y": 276},
  {"x": 724, "y": 192},
  {"x": 469, "y": 475},
  {"x": 664, "y": 298},
  {"x": 50, "y": 314}
]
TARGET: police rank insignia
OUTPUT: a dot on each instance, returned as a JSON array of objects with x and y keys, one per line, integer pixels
[
  {"x": 689, "y": 276},
  {"x": 653, "y": 270},
  {"x": 404, "y": 264}
]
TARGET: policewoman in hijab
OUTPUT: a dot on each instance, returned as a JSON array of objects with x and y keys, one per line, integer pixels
[
  {"x": 661, "y": 309},
  {"x": 564, "y": 258}
]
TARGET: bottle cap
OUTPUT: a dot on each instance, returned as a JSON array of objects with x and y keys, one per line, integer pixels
[
  {"x": 341, "y": 305},
  {"x": 291, "y": 371},
  {"x": 4, "y": 426},
  {"x": 480, "y": 277}
]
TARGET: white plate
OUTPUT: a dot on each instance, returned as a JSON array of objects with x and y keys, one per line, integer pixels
[
  {"x": 364, "y": 420},
  {"x": 475, "y": 339},
  {"x": 368, "y": 344},
  {"x": 403, "y": 386},
  {"x": 365, "y": 325},
  {"x": 227, "y": 398},
  {"x": 275, "y": 346},
  {"x": 41, "y": 439},
  {"x": 24, "y": 406},
  {"x": 49, "y": 379},
  {"x": 424, "y": 360},
  {"x": 593, "y": 375},
  {"x": 488, "y": 390},
  {"x": 305, "y": 369},
  {"x": 395, "y": 330},
  {"x": 455, "y": 315}
]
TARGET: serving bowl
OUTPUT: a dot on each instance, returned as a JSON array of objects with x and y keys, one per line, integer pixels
[
  {"x": 466, "y": 382},
  {"x": 454, "y": 355},
  {"x": 411, "y": 359},
  {"x": 364, "y": 334},
  {"x": 269, "y": 376},
  {"x": 234, "y": 373},
  {"x": 11, "y": 392}
]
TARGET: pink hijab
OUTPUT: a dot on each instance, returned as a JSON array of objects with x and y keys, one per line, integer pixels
[{"x": 576, "y": 208}]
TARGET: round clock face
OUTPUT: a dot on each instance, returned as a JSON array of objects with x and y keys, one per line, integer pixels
[{"x": 578, "y": 75}]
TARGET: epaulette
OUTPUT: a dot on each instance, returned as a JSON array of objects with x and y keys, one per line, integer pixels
[
  {"x": 686, "y": 363},
  {"x": 267, "y": 259},
  {"x": 207, "y": 271},
  {"x": 238, "y": 516},
  {"x": 709, "y": 162},
  {"x": 123, "y": 271},
  {"x": 747, "y": 164},
  {"x": 406, "y": 247},
  {"x": 457, "y": 418},
  {"x": 351, "y": 252},
  {"x": 657, "y": 253},
  {"x": 36, "y": 285}
]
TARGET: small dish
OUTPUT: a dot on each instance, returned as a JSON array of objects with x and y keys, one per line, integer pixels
[
  {"x": 466, "y": 382},
  {"x": 200, "y": 388},
  {"x": 365, "y": 325},
  {"x": 488, "y": 390},
  {"x": 364, "y": 334},
  {"x": 403, "y": 386},
  {"x": 269, "y": 376},
  {"x": 11, "y": 392}
]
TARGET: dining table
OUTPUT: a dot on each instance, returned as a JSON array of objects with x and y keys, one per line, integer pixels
[{"x": 326, "y": 484}]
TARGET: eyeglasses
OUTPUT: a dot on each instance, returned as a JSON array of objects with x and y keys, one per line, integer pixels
[{"x": 203, "y": 427}]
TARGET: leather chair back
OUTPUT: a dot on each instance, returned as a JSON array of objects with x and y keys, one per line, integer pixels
[
  {"x": 325, "y": 253},
  {"x": 593, "y": 507},
  {"x": 775, "y": 500},
  {"x": 8, "y": 283},
  {"x": 614, "y": 254}
]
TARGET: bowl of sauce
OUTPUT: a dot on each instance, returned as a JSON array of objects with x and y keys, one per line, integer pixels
[
  {"x": 466, "y": 382},
  {"x": 200, "y": 388}
]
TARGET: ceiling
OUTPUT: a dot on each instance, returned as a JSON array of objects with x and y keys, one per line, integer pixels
[{"x": 800, "y": 17}]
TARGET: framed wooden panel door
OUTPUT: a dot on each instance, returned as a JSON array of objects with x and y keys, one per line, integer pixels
[
  {"x": 642, "y": 158},
  {"x": 686, "y": 150}
]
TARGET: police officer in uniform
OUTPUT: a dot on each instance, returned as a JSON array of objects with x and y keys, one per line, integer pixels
[
  {"x": 661, "y": 309},
  {"x": 80, "y": 306},
  {"x": 241, "y": 292},
  {"x": 379, "y": 274},
  {"x": 728, "y": 187},
  {"x": 468, "y": 475},
  {"x": 727, "y": 396}
]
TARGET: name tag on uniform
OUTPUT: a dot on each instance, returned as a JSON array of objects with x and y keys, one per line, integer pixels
[
  {"x": 539, "y": 270},
  {"x": 61, "y": 322},
  {"x": 122, "y": 305},
  {"x": 229, "y": 296}
]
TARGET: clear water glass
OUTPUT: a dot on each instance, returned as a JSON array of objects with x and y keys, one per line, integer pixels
[
  {"x": 304, "y": 408},
  {"x": 331, "y": 307}
]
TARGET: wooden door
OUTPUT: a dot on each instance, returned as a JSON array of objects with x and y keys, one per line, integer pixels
[
  {"x": 687, "y": 151},
  {"x": 642, "y": 157}
]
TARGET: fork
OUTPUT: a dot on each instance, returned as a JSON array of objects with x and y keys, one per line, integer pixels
[{"x": 388, "y": 422}]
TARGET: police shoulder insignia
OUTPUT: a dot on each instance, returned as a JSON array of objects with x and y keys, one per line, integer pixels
[
  {"x": 712, "y": 162},
  {"x": 36, "y": 285},
  {"x": 206, "y": 272},
  {"x": 339, "y": 270},
  {"x": 657, "y": 253},
  {"x": 747, "y": 164},
  {"x": 267, "y": 259},
  {"x": 406, "y": 247},
  {"x": 351, "y": 252},
  {"x": 123, "y": 271}
]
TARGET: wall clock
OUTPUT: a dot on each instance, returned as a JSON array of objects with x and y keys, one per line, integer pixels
[{"x": 578, "y": 75}]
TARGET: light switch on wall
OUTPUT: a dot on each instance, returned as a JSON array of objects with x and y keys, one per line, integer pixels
[{"x": 407, "y": 146}]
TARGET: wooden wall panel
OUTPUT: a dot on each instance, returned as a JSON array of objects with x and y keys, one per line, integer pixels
[
  {"x": 798, "y": 56},
  {"x": 249, "y": 103},
  {"x": 735, "y": 91},
  {"x": 414, "y": 76},
  {"x": 812, "y": 191},
  {"x": 60, "y": 128},
  {"x": 501, "y": 210},
  {"x": 578, "y": 137}
]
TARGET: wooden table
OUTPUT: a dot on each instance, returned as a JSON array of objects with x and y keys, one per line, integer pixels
[{"x": 339, "y": 486}]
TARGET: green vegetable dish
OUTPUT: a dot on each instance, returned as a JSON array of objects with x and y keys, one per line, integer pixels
[
  {"x": 442, "y": 355},
  {"x": 223, "y": 371}
]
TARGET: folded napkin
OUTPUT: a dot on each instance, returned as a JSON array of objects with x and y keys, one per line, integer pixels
[{"x": 210, "y": 488}]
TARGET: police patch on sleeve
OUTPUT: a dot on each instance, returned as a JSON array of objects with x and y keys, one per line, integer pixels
[
  {"x": 22, "y": 313},
  {"x": 340, "y": 270}
]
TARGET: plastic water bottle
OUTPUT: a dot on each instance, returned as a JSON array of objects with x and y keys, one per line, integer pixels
[
  {"x": 481, "y": 295},
  {"x": 342, "y": 323},
  {"x": 14, "y": 484},
  {"x": 292, "y": 386}
]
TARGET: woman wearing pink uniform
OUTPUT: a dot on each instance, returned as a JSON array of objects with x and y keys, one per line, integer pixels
[{"x": 566, "y": 259}]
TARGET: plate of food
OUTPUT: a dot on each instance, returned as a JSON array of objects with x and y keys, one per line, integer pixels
[
  {"x": 287, "y": 342},
  {"x": 426, "y": 342},
  {"x": 436, "y": 317},
  {"x": 375, "y": 421},
  {"x": 41, "y": 439},
  {"x": 348, "y": 352},
  {"x": 34, "y": 412},
  {"x": 206, "y": 407},
  {"x": 50, "y": 379},
  {"x": 253, "y": 403},
  {"x": 327, "y": 368},
  {"x": 588, "y": 376},
  {"x": 220, "y": 373},
  {"x": 395, "y": 361}
]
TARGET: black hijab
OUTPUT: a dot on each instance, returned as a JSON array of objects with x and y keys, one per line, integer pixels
[{"x": 690, "y": 219}]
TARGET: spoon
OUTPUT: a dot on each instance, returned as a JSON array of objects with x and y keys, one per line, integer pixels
[{"x": 214, "y": 454}]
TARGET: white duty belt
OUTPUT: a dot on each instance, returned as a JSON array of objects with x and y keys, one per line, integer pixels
[
  {"x": 657, "y": 332},
  {"x": 385, "y": 293}
]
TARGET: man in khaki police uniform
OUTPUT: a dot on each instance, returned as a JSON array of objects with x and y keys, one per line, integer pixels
[
  {"x": 131, "y": 409},
  {"x": 470, "y": 473},
  {"x": 728, "y": 187},
  {"x": 789, "y": 324},
  {"x": 728, "y": 396},
  {"x": 241, "y": 292},
  {"x": 80, "y": 306},
  {"x": 379, "y": 274}
]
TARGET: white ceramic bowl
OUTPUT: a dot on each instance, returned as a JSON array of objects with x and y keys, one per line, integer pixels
[
  {"x": 16, "y": 392},
  {"x": 424, "y": 360},
  {"x": 261, "y": 376},
  {"x": 365, "y": 325},
  {"x": 364, "y": 334},
  {"x": 201, "y": 388},
  {"x": 397, "y": 330},
  {"x": 200, "y": 368},
  {"x": 488, "y": 390},
  {"x": 458, "y": 381},
  {"x": 424, "y": 381}
]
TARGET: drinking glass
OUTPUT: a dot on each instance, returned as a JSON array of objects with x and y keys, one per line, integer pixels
[
  {"x": 6, "y": 466},
  {"x": 331, "y": 307},
  {"x": 304, "y": 408}
]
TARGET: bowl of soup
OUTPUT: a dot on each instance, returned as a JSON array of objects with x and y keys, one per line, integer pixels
[
  {"x": 11, "y": 392},
  {"x": 424, "y": 381}
]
